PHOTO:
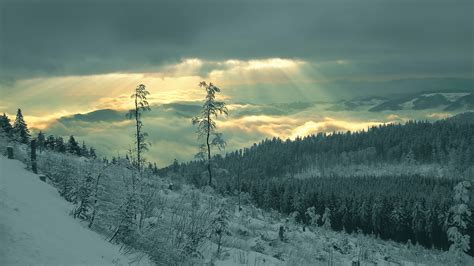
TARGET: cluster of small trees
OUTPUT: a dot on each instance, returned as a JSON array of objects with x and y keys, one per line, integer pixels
[
  {"x": 71, "y": 146},
  {"x": 19, "y": 132},
  {"x": 193, "y": 225}
]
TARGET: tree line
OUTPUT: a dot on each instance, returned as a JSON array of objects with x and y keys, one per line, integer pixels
[
  {"x": 416, "y": 142},
  {"x": 20, "y": 132}
]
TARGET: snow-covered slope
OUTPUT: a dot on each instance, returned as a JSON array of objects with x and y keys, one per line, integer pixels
[{"x": 36, "y": 229}]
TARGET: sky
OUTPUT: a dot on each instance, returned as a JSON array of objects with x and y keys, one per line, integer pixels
[{"x": 283, "y": 66}]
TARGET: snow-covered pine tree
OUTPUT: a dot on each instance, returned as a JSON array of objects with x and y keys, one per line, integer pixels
[
  {"x": 298, "y": 204},
  {"x": 327, "y": 218},
  {"x": 220, "y": 225},
  {"x": 84, "y": 150},
  {"x": 459, "y": 218},
  {"x": 20, "y": 128},
  {"x": 6, "y": 125},
  {"x": 82, "y": 197},
  {"x": 126, "y": 229},
  {"x": 50, "y": 143},
  {"x": 313, "y": 217},
  {"x": 206, "y": 124}
]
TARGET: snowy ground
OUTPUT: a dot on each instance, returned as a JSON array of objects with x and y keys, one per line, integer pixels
[{"x": 36, "y": 228}]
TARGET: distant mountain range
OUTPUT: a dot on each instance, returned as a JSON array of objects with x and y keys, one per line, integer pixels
[
  {"x": 450, "y": 101},
  {"x": 459, "y": 101},
  {"x": 463, "y": 118}
]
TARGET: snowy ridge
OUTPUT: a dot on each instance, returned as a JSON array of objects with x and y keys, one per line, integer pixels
[{"x": 36, "y": 228}]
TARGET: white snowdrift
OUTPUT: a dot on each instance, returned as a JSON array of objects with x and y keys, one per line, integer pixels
[{"x": 36, "y": 228}]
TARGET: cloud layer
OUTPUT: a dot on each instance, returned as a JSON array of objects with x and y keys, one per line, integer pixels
[
  {"x": 58, "y": 38},
  {"x": 172, "y": 135}
]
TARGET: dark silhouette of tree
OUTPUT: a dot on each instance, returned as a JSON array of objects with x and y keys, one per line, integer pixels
[
  {"x": 6, "y": 125},
  {"x": 92, "y": 153},
  {"x": 59, "y": 145},
  {"x": 206, "y": 125},
  {"x": 20, "y": 128},
  {"x": 73, "y": 146},
  {"x": 41, "y": 141}
]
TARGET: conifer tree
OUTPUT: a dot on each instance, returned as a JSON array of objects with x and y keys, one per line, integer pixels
[
  {"x": 82, "y": 197},
  {"x": 175, "y": 166},
  {"x": 50, "y": 143},
  {"x": 155, "y": 169},
  {"x": 20, "y": 128},
  {"x": 84, "y": 150},
  {"x": 73, "y": 146},
  {"x": 127, "y": 226},
  {"x": 41, "y": 141},
  {"x": 92, "y": 153},
  {"x": 6, "y": 125},
  {"x": 459, "y": 219},
  {"x": 59, "y": 145},
  {"x": 220, "y": 225},
  {"x": 140, "y": 106},
  {"x": 206, "y": 124},
  {"x": 327, "y": 218},
  {"x": 313, "y": 217}
]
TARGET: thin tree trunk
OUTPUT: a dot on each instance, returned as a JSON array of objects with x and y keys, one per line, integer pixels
[
  {"x": 238, "y": 180},
  {"x": 95, "y": 200},
  {"x": 138, "y": 132},
  {"x": 209, "y": 148},
  {"x": 115, "y": 234}
]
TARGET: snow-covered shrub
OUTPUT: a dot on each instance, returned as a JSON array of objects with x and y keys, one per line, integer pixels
[
  {"x": 259, "y": 246},
  {"x": 81, "y": 196},
  {"x": 220, "y": 226},
  {"x": 313, "y": 217}
]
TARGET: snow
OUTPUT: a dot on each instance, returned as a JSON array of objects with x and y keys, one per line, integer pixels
[
  {"x": 36, "y": 228},
  {"x": 450, "y": 96}
]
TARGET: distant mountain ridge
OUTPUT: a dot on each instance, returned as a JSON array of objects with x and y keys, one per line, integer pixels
[
  {"x": 463, "y": 118},
  {"x": 450, "y": 101},
  {"x": 105, "y": 115}
]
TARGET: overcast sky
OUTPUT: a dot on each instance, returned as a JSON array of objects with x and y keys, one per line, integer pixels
[
  {"x": 46, "y": 38},
  {"x": 58, "y": 58}
]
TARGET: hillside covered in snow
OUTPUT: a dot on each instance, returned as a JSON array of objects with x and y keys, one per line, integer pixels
[{"x": 36, "y": 228}]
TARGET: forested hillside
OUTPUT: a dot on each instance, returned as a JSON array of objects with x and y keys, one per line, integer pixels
[
  {"x": 447, "y": 142},
  {"x": 397, "y": 204}
]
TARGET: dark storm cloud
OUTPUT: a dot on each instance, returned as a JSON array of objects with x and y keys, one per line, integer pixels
[{"x": 43, "y": 38}]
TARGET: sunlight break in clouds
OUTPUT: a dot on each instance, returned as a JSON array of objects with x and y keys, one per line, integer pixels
[
  {"x": 65, "y": 95},
  {"x": 330, "y": 125}
]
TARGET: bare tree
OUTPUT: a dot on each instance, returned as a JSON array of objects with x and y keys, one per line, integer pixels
[{"x": 206, "y": 125}]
